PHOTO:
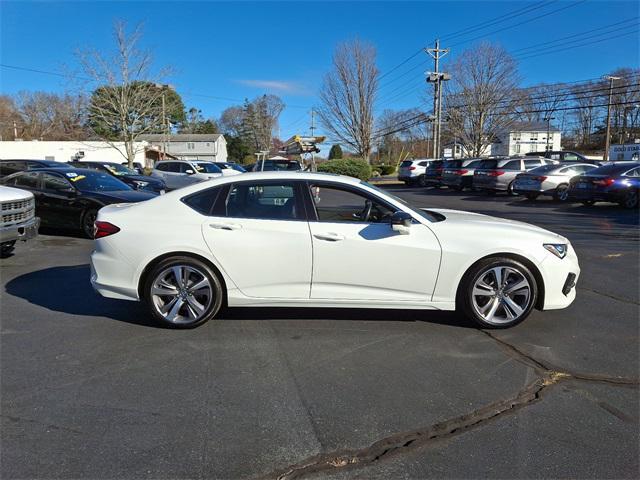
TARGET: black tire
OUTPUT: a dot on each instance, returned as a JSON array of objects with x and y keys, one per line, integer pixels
[
  {"x": 510, "y": 191},
  {"x": 588, "y": 203},
  {"x": 561, "y": 193},
  {"x": 155, "y": 303},
  {"x": 422, "y": 181},
  {"x": 531, "y": 196},
  {"x": 6, "y": 248},
  {"x": 465, "y": 298},
  {"x": 630, "y": 199},
  {"x": 88, "y": 219}
]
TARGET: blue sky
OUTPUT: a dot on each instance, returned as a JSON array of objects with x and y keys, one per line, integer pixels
[{"x": 242, "y": 49}]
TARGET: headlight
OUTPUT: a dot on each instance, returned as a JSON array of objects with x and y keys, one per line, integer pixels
[
  {"x": 140, "y": 184},
  {"x": 558, "y": 249}
]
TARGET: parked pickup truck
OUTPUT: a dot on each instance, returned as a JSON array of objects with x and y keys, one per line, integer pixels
[{"x": 18, "y": 221}]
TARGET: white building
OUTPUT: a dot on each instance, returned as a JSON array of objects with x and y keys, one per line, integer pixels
[
  {"x": 518, "y": 138},
  {"x": 187, "y": 146},
  {"x": 65, "y": 151},
  {"x": 524, "y": 137}
]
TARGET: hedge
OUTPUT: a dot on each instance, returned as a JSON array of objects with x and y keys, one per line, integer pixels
[
  {"x": 387, "y": 169},
  {"x": 351, "y": 167}
]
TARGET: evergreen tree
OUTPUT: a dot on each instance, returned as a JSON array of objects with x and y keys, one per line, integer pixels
[{"x": 335, "y": 152}]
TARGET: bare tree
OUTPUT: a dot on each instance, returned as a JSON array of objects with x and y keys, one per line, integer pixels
[
  {"x": 537, "y": 103},
  {"x": 260, "y": 120},
  {"x": 586, "y": 114},
  {"x": 51, "y": 116},
  {"x": 231, "y": 120},
  {"x": 128, "y": 102},
  {"x": 8, "y": 115},
  {"x": 479, "y": 99},
  {"x": 347, "y": 96}
]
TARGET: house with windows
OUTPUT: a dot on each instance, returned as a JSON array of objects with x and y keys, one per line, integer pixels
[
  {"x": 190, "y": 146},
  {"x": 520, "y": 138}
]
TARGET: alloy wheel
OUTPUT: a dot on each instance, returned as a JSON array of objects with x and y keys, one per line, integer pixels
[
  {"x": 182, "y": 294},
  {"x": 631, "y": 199},
  {"x": 562, "y": 193},
  {"x": 501, "y": 295}
]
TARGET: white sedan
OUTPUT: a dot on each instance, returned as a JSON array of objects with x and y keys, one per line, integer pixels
[{"x": 295, "y": 239}]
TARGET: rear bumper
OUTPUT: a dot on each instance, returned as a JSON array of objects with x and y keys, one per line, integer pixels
[
  {"x": 595, "y": 195},
  {"x": 23, "y": 231},
  {"x": 111, "y": 275}
]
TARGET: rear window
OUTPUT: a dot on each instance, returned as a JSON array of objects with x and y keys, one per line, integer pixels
[
  {"x": 406, "y": 163},
  {"x": 488, "y": 164},
  {"x": 611, "y": 169},
  {"x": 543, "y": 169},
  {"x": 473, "y": 163}
]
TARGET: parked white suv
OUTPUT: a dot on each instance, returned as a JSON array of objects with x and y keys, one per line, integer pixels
[
  {"x": 411, "y": 172},
  {"x": 18, "y": 220},
  {"x": 180, "y": 173}
]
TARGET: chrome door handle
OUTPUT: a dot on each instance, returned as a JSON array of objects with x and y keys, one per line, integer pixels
[
  {"x": 329, "y": 237},
  {"x": 225, "y": 226}
]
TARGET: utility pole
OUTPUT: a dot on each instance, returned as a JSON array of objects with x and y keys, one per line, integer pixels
[
  {"x": 312, "y": 128},
  {"x": 607, "y": 140},
  {"x": 548, "y": 119},
  {"x": 15, "y": 130},
  {"x": 436, "y": 77}
]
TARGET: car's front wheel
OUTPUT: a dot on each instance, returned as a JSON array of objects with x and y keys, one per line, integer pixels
[
  {"x": 183, "y": 292},
  {"x": 497, "y": 293}
]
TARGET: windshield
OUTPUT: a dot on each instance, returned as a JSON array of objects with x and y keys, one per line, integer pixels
[
  {"x": 95, "y": 181},
  {"x": 118, "y": 169},
  {"x": 206, "y": 167},
  {"x": 424, "y": 214}
]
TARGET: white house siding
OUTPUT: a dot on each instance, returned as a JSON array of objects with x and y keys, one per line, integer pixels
[
  {"x": 211, "y": 147},
  {"x": 65, "y": 151}
]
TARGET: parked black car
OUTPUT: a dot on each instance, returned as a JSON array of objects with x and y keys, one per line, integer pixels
[
  {"x": 70, "y": 198},
  {"x": 433, "y": 173},
  {"x": 7, "y": 167},
  {"x": 617, "y": 182},
  {"x": 128, "y": 176}
]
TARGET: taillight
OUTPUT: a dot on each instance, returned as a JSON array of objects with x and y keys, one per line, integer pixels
[
  {"x": 460, "y": 172},
  {"x": 412, "y": 168},
  {"x": 496, "y": 173},
  {"x": 104, "y": 229},
  {"x": 540, "y": 179},
  {"x": 607, "y": 182}
]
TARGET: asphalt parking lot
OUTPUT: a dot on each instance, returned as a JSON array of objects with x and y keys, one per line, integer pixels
[{"x": 90, "y": 388}]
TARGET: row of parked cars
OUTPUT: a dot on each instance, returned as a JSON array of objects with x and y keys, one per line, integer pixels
[
  {"x": 567, "y": 178},
  {"x": 68, "y": 195}
]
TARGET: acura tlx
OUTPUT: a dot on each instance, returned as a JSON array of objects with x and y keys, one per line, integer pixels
[{"x": 298, "y": 239}]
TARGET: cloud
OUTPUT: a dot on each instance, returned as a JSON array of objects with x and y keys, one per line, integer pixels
[{"x": 275, "y": 85}]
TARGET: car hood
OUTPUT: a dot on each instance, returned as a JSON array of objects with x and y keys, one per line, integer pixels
[
  {"x": 143, "y": 178},
  {"x": 127, "y": 196},
  {"x": 468, "y": 221}
]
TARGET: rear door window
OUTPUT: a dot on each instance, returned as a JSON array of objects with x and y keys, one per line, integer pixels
[
  {"x": 515, "y": 165},
  {"x": 528, "y": 164},
  {"x": 264, "y": 200}
]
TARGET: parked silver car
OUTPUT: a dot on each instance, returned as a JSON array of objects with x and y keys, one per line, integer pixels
[
  {"x": 458, "y": 174},
  {"x": 180, "y": 173},
  {"x": 495, "y": 175},
  {"x": 411, "y": 172},
  {"x": 549, "y": 180}
]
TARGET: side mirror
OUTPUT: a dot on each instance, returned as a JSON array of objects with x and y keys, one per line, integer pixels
[
  {"x": 401, "y": 222},
  {"x": 189, "y": 172},
  {"x": 68, "y": 191}
]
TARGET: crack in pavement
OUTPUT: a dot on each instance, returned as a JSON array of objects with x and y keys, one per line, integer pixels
[
  {"x": 405, "y": 441},
  {"x": 608, "y": 295}
]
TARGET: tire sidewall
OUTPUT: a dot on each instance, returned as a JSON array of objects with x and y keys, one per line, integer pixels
[
  {"x": 465, "y": 298},
  {"x": 212, "y": 276},
  {"x": 88, "y": 211}
]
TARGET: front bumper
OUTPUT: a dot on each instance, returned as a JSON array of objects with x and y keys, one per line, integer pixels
[
  {"x": 23, "y": 231},
  {"x": 560, "y": 279}
]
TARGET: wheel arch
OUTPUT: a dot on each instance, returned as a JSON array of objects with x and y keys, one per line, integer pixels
[
  {"x": 149, "y": 267},
  {"x": 535, "y": 271}
]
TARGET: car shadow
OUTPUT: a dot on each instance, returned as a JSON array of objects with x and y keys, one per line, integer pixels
[{"x": 67, "y": 290}]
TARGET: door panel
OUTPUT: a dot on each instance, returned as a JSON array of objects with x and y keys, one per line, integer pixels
[
  {"x": 357, "y": 255},
  {"x": 372, "y": 262},
  {"x": 260, "y": 238}
]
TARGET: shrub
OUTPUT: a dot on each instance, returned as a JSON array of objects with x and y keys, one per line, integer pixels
[
  {"x": 351, "y": 167},
  {"x": 387, "y": 169}
]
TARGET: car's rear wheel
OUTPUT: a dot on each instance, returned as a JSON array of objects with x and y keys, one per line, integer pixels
[
  {"x": 88, "y": 220},
  {"x": 183, "y": 292},
  {"x": 422, "y": 181},
  {"x": 630, "y": 199},
  {"x": 497, "y": 292},
  {"x": 562, "y": 192}
]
